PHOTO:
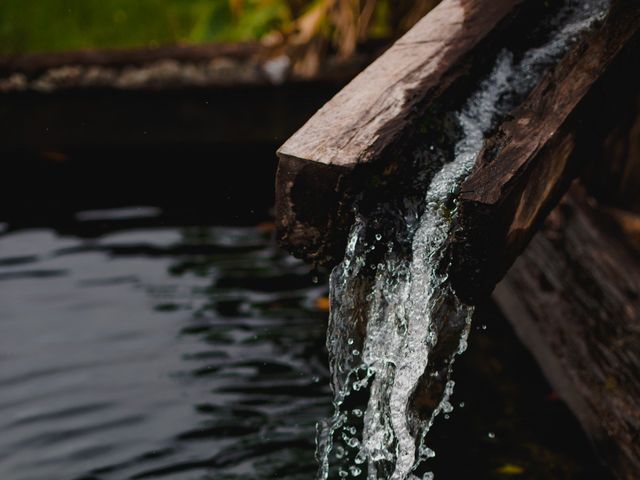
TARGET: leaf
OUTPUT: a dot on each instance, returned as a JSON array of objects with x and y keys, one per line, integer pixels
[
  {"x": 510, "y": 469},
  {"x": 322, "y": 303}
]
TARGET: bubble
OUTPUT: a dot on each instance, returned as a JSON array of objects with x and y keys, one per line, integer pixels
[{"x": 353, "y": 442}]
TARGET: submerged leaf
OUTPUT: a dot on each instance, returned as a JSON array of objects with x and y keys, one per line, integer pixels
[{"x": 510, "y": 469}]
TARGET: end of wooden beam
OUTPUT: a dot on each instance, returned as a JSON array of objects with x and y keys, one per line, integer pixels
[{"x": 309, "y": 203}]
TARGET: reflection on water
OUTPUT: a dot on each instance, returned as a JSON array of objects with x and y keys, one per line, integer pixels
[
  {"x": 157, "y": 353},
  {"x": 130, "y": 350}
]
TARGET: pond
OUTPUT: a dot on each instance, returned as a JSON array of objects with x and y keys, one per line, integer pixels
[{"x": 134, "y": 345}]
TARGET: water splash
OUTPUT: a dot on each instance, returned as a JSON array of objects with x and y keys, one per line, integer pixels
[{"x": 396, "y": 324}]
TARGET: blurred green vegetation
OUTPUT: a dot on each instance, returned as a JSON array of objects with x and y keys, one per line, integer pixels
[{"x": 58, "y": 25}]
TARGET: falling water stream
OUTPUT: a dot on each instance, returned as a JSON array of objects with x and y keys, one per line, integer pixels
[{"x": 396, "y": 324}]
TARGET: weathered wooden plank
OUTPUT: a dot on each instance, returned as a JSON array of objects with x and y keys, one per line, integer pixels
[
  {"x": 369, "y": 113},
  {"x": 573, "y": 297},
  {"x": 362, "y": 122}
]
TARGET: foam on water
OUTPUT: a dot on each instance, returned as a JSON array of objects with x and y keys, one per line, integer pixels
[{"x": 396, "y": 324}]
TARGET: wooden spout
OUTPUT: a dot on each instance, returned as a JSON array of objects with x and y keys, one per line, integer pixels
[{"x": 523, "y": 169}]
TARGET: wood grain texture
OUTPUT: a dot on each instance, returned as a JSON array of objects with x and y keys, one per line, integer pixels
[
  {"x": 523, "y": 169},
  {"x": 573, "y": 297},
  {"x": 528, "y": 164},
  {"x": 318, "y": 166},
  {"x": 364, "y": 118}
]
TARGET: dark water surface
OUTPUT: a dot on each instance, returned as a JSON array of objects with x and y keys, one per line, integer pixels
[
  {"x": 134, "y": 347},
  {"x": 157, "y": 353}
]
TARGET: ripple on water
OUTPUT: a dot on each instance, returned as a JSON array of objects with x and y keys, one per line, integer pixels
[{"x": 157, "y": 353}]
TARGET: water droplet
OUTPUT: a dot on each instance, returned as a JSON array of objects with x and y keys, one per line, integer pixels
[
  {"x": 378, "y": 237},
  {"x": 491, "y": 435},
  {"x": 427, "y": 452},
  {"x": 355, "y": 471}
]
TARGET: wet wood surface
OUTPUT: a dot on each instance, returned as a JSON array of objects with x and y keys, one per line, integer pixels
[
  {"x": 368, "y": 117},
  {"x": 573, "y": 297},
  {"x": 528, "y": 164},
  {"x": 521, "y": 173}
]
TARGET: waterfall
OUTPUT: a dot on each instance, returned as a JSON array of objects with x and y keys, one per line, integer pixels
[{"x": 396, "y": 324}]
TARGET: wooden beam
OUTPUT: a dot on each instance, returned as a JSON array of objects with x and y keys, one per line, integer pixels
[
  {"x": 529, "y": 163},
  {"x": 573, "y": 298},
  {"x": 373, "y": 110},
  {"x": 368, "y": 117},
  {"x": 521, "y": 172}
]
